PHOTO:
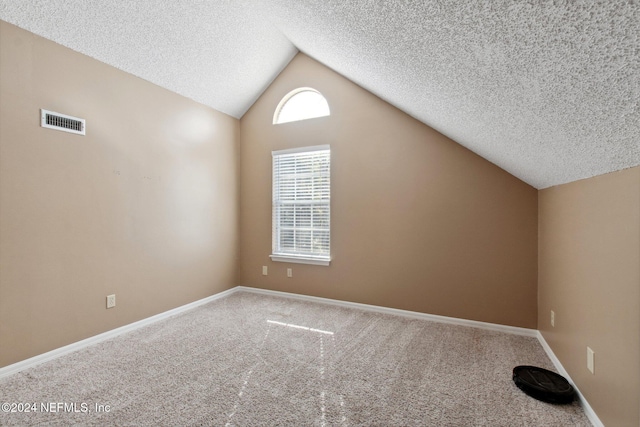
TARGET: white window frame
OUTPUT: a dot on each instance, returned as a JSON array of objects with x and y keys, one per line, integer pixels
[
  {"x": 277, "y": 119},
  {"x": 283, "y": 254}
]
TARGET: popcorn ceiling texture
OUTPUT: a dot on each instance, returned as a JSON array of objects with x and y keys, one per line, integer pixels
[
  {"x": 549, "y": 91},
  {"x": 219, "y": 53}
]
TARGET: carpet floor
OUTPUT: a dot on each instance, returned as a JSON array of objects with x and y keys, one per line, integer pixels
[{"x": 255, "y": 360}]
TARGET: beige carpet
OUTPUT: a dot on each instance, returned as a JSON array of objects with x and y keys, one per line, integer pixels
[{"x": 254, "y": 360}]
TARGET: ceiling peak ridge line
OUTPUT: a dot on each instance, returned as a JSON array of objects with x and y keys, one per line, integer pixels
[{"x": 566, "y": 48}]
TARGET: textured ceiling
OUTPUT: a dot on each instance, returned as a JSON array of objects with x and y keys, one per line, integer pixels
[
  {"x": 221, "y": 53},
  {"x": 547, "y": 90}
]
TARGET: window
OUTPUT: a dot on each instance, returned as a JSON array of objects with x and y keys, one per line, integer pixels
[
  {"x": 301, "y": 208},
  {"x": 301, "y": 104}
]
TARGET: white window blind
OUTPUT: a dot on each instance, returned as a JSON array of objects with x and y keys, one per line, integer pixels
[{"x": 301, "y": 204}]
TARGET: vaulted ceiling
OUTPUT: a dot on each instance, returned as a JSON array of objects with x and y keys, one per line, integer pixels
[{"x": 547, "y": 90}]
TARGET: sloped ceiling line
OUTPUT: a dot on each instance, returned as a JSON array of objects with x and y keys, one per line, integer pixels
[{"x": 548, "y": 91}]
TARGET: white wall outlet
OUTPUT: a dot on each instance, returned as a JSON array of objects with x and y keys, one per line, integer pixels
[
  {"x": 553, "y": 318},
  {"x": 265, "y": 270},
  {"x": 289, "y": 272},
  {"x": 591, "y": 360},
  {"x": 111, "y": 301}
]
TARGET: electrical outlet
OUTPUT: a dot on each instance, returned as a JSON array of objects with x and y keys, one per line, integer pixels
[
  {"x": 111, "y": 301},
  {"x": 553, "y": 318},
  {"x": 591, "y": 360},
  {"x": 289, "y": 272},
  {"x": 265, "y": 270}
]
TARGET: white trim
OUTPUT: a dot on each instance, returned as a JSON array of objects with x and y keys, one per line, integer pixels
[
  {"x": 301, "y": 149},
  {"x": 288, "y": 96},
  {"x": 54, "y": 354},
  {"x": 588, "y": 410},
  {"x": 300, "y": 260},
  {"x": 314, "y": 163},
  {"x": 405, "y": 313},
  {"x": 45, "y": 357}
]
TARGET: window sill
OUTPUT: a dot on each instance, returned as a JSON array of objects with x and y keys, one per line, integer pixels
[{"x": 300, "y": 260}]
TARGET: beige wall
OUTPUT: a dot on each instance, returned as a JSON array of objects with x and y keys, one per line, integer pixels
[
  {"x": 418, "y": 222},
  {"x": 144, "y": 206},
  {"x": 589, "y": 274}
]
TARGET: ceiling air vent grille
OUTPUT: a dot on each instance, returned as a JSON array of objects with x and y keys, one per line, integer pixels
[{"x": 53, "y": 120}]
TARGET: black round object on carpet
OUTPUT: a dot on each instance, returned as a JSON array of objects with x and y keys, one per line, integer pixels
[{"x": 543, "y": 384}]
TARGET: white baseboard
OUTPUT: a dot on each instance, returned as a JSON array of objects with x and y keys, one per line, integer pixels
[
  {"x": 588, "y": 410},
  {"x": 405, "y": 313},
  {"x": 53, "y": 354},
  {"x": 45, "y": 357},
  {"x": 444, "y": 319}
]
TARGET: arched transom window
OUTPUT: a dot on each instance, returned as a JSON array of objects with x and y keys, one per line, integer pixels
[{"x": 301, "y": 104}]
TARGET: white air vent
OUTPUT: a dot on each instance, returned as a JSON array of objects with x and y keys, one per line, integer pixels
[{"x": 53, "y": 120}]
